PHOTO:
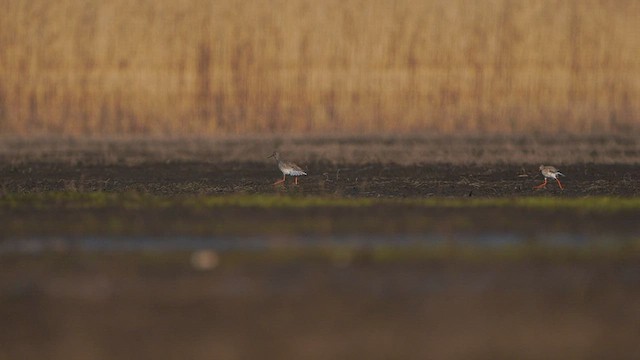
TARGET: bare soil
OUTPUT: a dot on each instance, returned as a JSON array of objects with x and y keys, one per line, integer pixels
[
  {"x": 391, "y": 166},
  {"x": 366, "y": 180}
]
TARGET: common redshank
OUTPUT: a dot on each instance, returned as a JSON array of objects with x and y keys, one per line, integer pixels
[
  {"x": 287, "y": 168},
  {"x": 549, "y": 172}
]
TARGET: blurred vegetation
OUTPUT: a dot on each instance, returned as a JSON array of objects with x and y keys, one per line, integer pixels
[
  {"x": 229, "y": 67},
  {"x": 132, "y": 200}
]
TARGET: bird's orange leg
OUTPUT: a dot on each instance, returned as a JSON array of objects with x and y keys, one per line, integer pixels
[
  {"x": 280, "y": 181},
  {"x": 560, "y": 184},
  {"x": 543, "y": 185}
]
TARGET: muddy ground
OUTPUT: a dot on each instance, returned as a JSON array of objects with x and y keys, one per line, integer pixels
[
  {"x": 366, "y": 180},
  {"x": 68, "y": 303},
  {"x": 418, "y": 166}
]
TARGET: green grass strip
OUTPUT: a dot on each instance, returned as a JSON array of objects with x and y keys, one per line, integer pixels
[{"x": 54, "y": 200}]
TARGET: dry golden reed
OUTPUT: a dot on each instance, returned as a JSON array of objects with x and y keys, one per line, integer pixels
[{"x": 172, "y": 67}]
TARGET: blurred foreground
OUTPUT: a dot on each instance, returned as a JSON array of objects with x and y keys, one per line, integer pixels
[
  {"x": 150, "y": 306},
  {"x": 99, "y": 276}
]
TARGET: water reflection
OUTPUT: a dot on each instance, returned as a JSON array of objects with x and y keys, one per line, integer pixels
[{"x": 34, "y": 245}]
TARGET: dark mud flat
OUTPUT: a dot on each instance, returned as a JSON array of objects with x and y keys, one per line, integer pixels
[
  {"x": 153, "y": 306},
  {"x": 361, "y": 166},
  {"x": 363, "y": 180}
]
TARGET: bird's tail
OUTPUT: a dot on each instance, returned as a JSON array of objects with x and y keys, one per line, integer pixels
[{"x": 559, "y": 173}]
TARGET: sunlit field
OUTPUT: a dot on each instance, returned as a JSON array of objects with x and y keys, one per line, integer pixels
[{"x": 233, "y": 67}]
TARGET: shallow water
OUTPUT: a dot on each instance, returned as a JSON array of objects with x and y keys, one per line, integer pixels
[{"x": 494, "y": 240}]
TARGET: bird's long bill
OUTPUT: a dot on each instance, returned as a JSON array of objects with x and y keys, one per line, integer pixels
[{"x": 270, "y": 156}]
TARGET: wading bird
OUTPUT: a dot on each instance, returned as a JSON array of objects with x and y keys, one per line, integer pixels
[
  {"x": 287, "y": 168},
  {"x": 549, "y": 172}
]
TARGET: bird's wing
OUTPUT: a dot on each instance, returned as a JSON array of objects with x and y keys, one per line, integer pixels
[{"x": 295, "y": 169}]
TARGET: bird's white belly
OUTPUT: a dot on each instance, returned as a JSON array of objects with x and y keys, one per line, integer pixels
[{"x": 292, "y": 172}]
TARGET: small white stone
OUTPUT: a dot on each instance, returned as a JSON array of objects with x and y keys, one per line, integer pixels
[{"x": 204, "y": 259}]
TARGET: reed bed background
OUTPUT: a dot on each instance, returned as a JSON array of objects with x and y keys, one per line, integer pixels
[{"x": 179, "y": 67}]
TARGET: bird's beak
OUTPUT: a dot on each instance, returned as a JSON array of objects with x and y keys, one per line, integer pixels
[{"x": 270, "y": 156}]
